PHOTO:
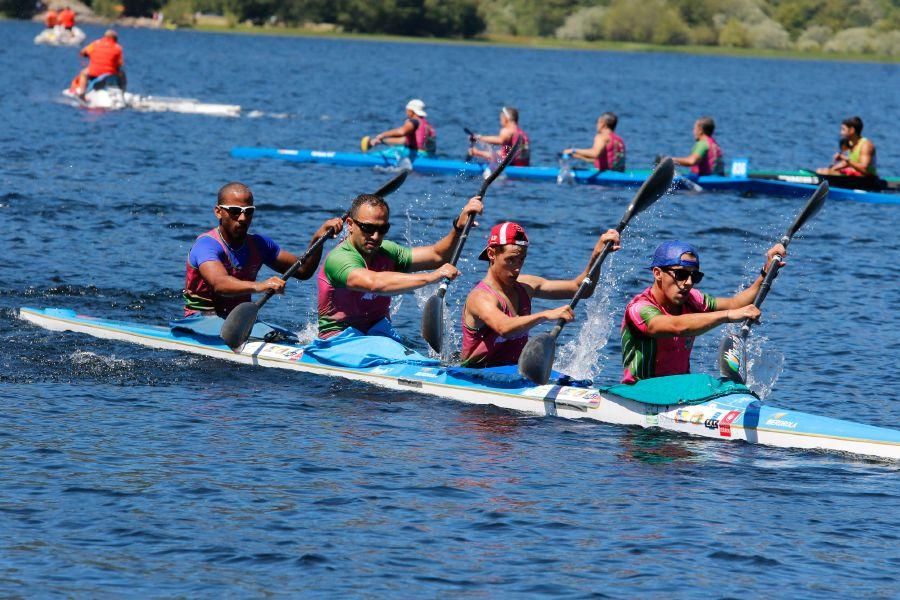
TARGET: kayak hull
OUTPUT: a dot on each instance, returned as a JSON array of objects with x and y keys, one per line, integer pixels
[
  {"x": 737, "y": 416},
  {"x": 631, "y": 179}
]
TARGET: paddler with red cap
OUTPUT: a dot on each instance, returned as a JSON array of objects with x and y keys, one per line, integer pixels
[
  {"x": 497, "y": 315},
  {"x": 661, "y": 322},
  {"x": 416, "y": 137}
]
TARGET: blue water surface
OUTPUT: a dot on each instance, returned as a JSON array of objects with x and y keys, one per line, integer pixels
[{"x": 129, "y": 472}]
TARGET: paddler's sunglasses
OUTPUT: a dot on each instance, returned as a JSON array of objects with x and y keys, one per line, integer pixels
[
  {"x": 682, "y": 275},
  {"x": 235, "y": 211},
  {"x": 371, "y": 228}
]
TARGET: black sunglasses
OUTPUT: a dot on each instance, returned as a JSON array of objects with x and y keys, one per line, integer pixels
[
  {"x": 682, "y": 275},
  {"x": 370, "y": 228},
  {"x": 234, "y": 211}
]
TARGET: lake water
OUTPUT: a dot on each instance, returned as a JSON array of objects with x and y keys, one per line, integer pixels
[{"x": 131, "y": 472}]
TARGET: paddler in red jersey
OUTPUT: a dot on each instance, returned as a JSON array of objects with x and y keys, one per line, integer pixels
[
  {"x": 106, "y": 58},
  {"x": 608, "y": 151},
  {"x": 416, "y": 135},
  {"x": 497, "y": 315},
  {"x": 859, "y": 161},
  {"x": 706, "y": 157},
  {"x": 223, "y": 263},
  {"x": 661, "y": 322},
  {"x": 66, "y": 18},
  {"x": 51, "y": 18},
  {"x": 359, "y": 276},
  {"x": 510, "y": 133}
]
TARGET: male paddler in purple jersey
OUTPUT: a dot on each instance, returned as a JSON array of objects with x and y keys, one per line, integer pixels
[
  {"x": 706, "y": 157},
  {"x": 497, "y": 315},
  {"x": 223, "y": 262},
  {"x": 359, "y": 276},
  {"x": 661, "y": 322}
]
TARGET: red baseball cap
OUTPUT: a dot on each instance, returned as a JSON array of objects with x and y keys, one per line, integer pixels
[{"x": 503, "y": 234}]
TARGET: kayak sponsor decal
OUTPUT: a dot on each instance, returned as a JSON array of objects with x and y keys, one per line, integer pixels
[
  {"x": 726, "y": 421},
  {"x": 427, "y": 373},
  {"x": 713, "y": 421},
  {"x": 409, "y": 382},
  {"x": 778, "y": 420},
  {"x": 290, "y": 152},
  {"x": 282, "y": 352},
  {"x": 319, "y": 154}
]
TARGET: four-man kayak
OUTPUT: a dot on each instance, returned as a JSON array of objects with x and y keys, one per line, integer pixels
[
  {"x": 699, "y": 405},
  {"x": 436, "y": 166}
]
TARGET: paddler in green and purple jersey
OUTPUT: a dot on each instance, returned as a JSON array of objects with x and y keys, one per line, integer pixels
[
  {"x": 860, "y": 160},
  {"x": 661, "y": 322},
  {"x": 706, "y": 157},
  {"x": 360, "y": 274}
]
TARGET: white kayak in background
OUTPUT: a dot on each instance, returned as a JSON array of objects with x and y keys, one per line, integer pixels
[{"x": 60, "y": 36}]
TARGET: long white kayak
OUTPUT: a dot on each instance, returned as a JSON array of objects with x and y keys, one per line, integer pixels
[
  {"x": 699, "y": 405},
  {"x": 115, "y": 99}
]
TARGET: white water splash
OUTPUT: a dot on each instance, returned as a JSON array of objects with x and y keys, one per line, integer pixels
[{"x": 583, "y": 357}]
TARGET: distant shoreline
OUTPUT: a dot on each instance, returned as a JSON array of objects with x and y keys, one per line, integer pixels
[{"x": 552, "y": 44}]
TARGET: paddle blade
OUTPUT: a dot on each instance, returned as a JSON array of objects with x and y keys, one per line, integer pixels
[
  {"x": 433, "y": 322},
  {"x": 239, "y": 324},
  {"x": 365, "y": 144},
  {"x": 813, "y": 206},
  {"x": 392, "y": 185},
  {"x": 730, "y": 359},
  {"x": 536, "y": 360},
  {"x": 657, "y": 184}
]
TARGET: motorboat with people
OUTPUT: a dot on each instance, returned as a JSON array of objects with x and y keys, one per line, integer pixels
[{"x": 60, "y": 36}]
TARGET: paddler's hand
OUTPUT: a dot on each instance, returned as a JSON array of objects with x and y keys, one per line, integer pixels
[
  {"x": 275, "y": 284},
  {"x": 446, "y": 271},
  {"x": 776, "y": 250},
  {"x": 736, "y": 315},
  {"x": 375, "y": 140},
  {"x": 336, "y": 225},
  {"x": 610, "y": 235},
  {"x": 563, "y": 312},
  {"x": 474, "y": 207}
]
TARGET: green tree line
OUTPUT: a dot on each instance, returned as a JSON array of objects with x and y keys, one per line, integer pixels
[{"x": 861, "y": 26}]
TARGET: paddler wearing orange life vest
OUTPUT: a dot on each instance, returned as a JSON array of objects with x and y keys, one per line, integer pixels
[
  {"x": 66, "y": 18},
  {"x": 51, "y": 18},
  {"x": 497, "y": 315},
  {"x": 706, "y": 157},
  {"x": 860, "y": 159},
  {"x": 416, "y": 137},
  {"x": 106, "y": 58},
  {"x": 608, "y": 151},
  {"x": 509, "y": 133}
]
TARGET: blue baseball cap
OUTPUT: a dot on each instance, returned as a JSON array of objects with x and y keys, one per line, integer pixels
[{"x": 668, "y": 254}]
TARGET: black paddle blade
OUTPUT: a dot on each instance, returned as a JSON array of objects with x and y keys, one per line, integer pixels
[
  {"x": 730, "y": 360},
  {"x": 239, "y": 324},
  {"x": 657, "y": 184},
  {"x": 392, "y": 185},
  {"x": 813, "y": 206},
  {"x": 433, "y": 322},
  {"x": 536, "y": 360}
]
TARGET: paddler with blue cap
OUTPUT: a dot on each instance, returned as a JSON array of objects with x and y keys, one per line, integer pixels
[{"x": 661, "y": 322}]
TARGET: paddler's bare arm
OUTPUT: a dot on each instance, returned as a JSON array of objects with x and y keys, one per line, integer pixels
[
  {"x": 224, "y": 284},
  {"x": 285, "y": 259},
  {"x": 503, "y": 138},
  {"x": 388, "y": 283},
  {"x": 391, "y": 134},
  {"x": 747, "y": 295},
  {"x": 589, "y": 153},
  {"x": 687, "y": 161},
  {"x": 481, "y": 308},
  {"x": 563, "y": 289},
  {"x": 431, "y": 257},
  {"x": 698, "y": 323}
]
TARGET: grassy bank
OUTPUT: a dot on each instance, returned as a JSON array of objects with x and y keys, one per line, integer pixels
[{"x": 556, "y": 44}]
